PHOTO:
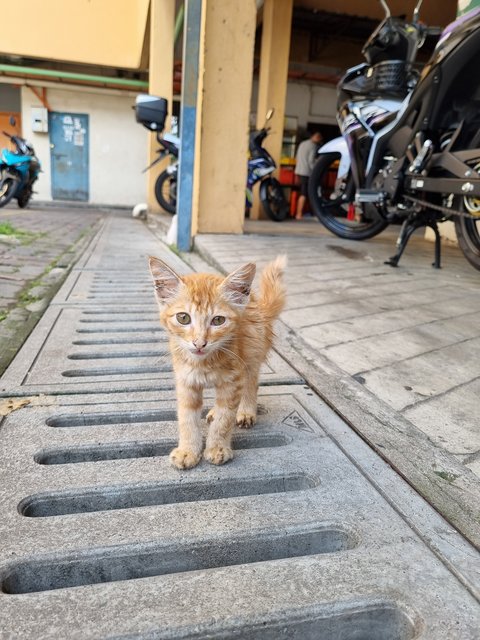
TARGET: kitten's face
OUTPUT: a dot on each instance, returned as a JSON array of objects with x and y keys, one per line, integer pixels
[
  {"x": 201, "y": 311},
  {"x": 201, "y": 323}
]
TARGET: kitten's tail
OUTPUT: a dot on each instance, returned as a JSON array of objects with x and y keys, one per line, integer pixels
[{"x": 272, "y": 290}]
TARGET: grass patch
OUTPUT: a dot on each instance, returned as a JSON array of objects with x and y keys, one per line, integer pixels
[
  {"x": 25, "y": 237},
  {"x": 3, "y": 315},
  {"x": 445, "y": 475}
]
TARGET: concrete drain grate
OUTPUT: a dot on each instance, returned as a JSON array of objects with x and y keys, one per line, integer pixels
[{"x": 305, "y": 534}]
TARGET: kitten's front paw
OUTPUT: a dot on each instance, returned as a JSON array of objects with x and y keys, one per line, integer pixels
[
  {"x": 184, "y": 459},
  {"x": 218, "y": 454},
  {"x": 245, "y": 420},
  {"x": 210, "y": 416}
]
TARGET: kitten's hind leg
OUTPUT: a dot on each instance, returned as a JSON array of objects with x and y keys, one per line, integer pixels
[
  {"x": 190, "y": 442},
  {"x": 218, "y": 449},
  {"x": 247, "y": 410}
]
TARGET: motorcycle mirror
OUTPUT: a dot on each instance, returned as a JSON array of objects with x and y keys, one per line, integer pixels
[
  {"x": 386, "y": 8},
  {"x": 416, "y": 12},
  {"x": 12, "y": 121}
]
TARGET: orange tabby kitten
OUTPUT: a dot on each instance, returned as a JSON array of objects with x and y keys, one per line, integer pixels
[{"x": 220, "y": 334}]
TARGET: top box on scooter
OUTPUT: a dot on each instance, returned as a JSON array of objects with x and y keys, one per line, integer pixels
[{"x": 151, "y": 111}]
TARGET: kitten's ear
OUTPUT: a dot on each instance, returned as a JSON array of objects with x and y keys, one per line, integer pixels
[
  {"x": 167, "y": 282},
  {"x": 236, "y": 286}
]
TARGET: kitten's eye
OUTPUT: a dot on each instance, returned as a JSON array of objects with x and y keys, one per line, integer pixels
[
  {"x": 183, "y": 318},
  {"x": 218, "y": 320}
]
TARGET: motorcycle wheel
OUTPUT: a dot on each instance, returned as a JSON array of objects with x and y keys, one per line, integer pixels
[
  {"x": 468, "y": 236},
  {"x": 166, "y": 191},
  {"x": 24, "y": 198},
  {"x": 8, "y": 187},
  {"x": 332, "y": 209},
  {"x": 273, "y": 200}
]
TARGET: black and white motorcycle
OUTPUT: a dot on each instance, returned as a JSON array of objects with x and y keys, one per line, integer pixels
[{"x": 410, "y": 146}]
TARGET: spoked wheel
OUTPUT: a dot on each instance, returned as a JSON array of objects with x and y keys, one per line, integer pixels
[
  {"x": 8, "y": 187},
  {"x": 166, "y": 191},
  {"x": 333, "y": 205},
  {"x": 273, "y": 200},
  {"x": 468, "y": 229}
]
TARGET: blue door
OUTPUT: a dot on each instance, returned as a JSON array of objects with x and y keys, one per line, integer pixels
[{"x": 69, "y": 155}]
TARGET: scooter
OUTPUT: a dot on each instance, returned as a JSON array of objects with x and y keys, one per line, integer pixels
[
  {"x": 410, "y": 147},
  {"x": 166, "y": 183},
  {"x": 260, "y": 167},
  {"x": 151, "y": 112},
  {"x": 18, "y": 171}
]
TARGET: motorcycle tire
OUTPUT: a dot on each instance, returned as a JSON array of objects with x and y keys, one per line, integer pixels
[
  {"x": 8, "y": 188},
  {"x": 24, "y": 198},
  {"x": 166, "y": 191},
  {"x": 468, "y": 236},
  {"x": 273, "y": 200},
  {"x": 332, "y": 209}
]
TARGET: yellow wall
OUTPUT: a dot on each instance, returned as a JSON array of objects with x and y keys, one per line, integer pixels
[{"x": 101, "y": 32}]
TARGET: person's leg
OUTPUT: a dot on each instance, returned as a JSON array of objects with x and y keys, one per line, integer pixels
[
  {"x": 302, "y": 197},
  {"x": 300, "y": 204}
]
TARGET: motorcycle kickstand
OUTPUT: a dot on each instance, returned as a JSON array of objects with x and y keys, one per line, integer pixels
[{"x": 408, "y": 227}]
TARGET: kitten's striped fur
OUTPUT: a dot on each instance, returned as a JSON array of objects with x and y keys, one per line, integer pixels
[{"x": 220, "y": 334}]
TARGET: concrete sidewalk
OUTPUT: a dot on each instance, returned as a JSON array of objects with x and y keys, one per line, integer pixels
[
  {"x": 306, "y": 534},
  {"x": 394, "y": 351},
  {"x": 38, "y": 247}
]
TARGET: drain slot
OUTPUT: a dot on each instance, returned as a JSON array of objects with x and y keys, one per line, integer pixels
[
  {"x": 110, "y": 498},
  {"x": 116, "y": 354},
  {"x": 131, "y": 562},
  {"x": 114, "y": 417},
  {"x": 124, "y": 450},
  {"x": 361, "y": 620},
  {"x": 154, "y": 340},
  {"x": 113, "y": 321},
  {"x": 154, "y": 328},
  {"x": 111, "y": 312},
  {"x": 114, "y": 371}
]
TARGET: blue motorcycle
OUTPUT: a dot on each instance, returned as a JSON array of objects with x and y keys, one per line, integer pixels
[{"x": 18, "y": 171}]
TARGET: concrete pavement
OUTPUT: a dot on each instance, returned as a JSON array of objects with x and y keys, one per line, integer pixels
[
  {"x": 308, "y": 533},
  {"x": 37, "y": 249},
  {"x": 394, "y": 350}
]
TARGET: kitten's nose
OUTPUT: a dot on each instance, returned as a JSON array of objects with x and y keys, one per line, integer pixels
[{"x": 199, "y": 343}]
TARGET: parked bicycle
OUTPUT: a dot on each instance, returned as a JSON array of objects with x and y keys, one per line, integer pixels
[{"x": 410, "y": 147}]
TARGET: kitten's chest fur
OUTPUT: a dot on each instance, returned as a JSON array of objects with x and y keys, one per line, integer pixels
[{"x": 216, "y": 370}]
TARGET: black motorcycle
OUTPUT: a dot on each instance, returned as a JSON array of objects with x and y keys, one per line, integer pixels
[
  {"x": 410, "y": 146},
  {"x": 260, "y": 166}
]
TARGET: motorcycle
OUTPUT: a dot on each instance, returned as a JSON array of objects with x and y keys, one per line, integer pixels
[
  {"x": 166, "y": 183},
  {"x": 260, "y": 166},
  {"x": 151, "y": 112},
  {"x": 18, "y": 171},
  {"x": 409, "y": 152}
]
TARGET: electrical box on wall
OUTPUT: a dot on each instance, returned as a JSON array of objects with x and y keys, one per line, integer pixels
[{"x": 39, "y": 119}]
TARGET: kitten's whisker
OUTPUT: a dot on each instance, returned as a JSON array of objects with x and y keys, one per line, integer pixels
[{"x": 225, "y": 350}]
